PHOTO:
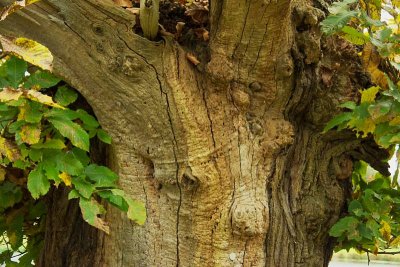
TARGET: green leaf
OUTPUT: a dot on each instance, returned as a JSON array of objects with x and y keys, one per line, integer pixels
[
  {"x": 72, "y": 131},
  {"x": 70, "y": 164},
  {"x": 73, "y": 194},
  {"x": 136, "y": 209},
  {"x": 339, "y": 119},
  {"x": 84, "y": 188},
  {"x": 88, "y": 120},
  {"x": 103, "y": 136},
  {"x": 31, "y": 112},
  {"x": 91, "y": 209},
  {"x": 116, "y": 200},
  {"x": 15, "y": 70},
  {"x": 65, "y": 96},
  {"x": 81, "y": 155},
  {"x": 66, "y": 114},
  {"x": 41, "y": 79},
  {"x": 354, "y": 36},
  {"x": 50, "y": 144},
  {"x": 344, "y": 225},
  {"x": 15, "y": 231},
  {"x": 38, "y": 184},
  {"x": 350, "y": 105},
  {"x": 102, "y": 176},
  {"x": 10, "y": 194}
]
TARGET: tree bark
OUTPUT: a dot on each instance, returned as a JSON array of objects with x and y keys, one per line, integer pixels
[{"x": 228, "y": 157}]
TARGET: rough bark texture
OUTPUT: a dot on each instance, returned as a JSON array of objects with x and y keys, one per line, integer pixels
[{"x": 229, "y": 157}]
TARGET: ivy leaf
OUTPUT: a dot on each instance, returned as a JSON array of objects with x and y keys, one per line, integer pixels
[
  {"x": 41, "y": 79},
  {"x": 38, "y": 184},
  {"x": 72, "y": 131},
  {"x": 102, "y": 176},
  {"x": 65, "y": 96},
  {"x": 91, "y": 209}
]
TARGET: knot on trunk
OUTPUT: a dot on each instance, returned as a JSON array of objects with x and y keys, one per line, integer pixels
[{"x": 249, "y": 216}]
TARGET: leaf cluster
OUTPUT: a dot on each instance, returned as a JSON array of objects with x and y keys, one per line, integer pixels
[
  {"x": 372, "y": 223},
  {"x": 45, "y": 144}
]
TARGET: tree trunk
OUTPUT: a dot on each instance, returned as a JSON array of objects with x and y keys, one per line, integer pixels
[{"x": 227, "y": 156}]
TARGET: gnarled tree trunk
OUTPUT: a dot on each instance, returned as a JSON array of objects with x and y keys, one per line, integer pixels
[{"x": 228, "y": 157}]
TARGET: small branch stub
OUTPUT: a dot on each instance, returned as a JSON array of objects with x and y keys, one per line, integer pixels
[{"x": 149, "y": 16}]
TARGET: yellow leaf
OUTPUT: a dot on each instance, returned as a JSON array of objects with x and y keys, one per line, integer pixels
[
  {"x": 9, "y": 94},
  {"x": 385, "y": 231},
  {"x": 9, "y": 149},
  {"x": 2, "y": 174},
  {"x": 29, "y": 50},
  {"x": 371, "y": 60},
  {"x": 395, "y": 242},
  {"x": 66, "y": 178},
  {"x": 30, "y": 134},
  {"x": 395, "y": 121},
  {"x": 369, "y": 94},
  {"x": 41, "y": 98}
]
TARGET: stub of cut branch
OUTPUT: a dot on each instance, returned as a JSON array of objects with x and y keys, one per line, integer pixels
[{"x": 149, "y": 15}]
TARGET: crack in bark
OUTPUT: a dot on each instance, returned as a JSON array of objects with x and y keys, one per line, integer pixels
[
  {"x": 243, "y": 28},
  {"x": 208, "y": 113}
]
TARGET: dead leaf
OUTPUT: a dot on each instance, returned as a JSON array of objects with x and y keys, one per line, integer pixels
[
  {"x": 30, "y": 134},
  {"x": 179, "y": 27},
  {"x": 201, "y": 33},
  {"x": 9, "y": 94},
  {"x": 41, "y": 98},
  {"x": 193, "y": 59},
  {"x": 371, "y": 60},
  {"x": 123, "y": 3},
  {"x": 326, "y": 76},
  {"x": 15, "y": 6},
  {"x": 9, "y": 149},
  {"x": 134, "y": 10},
  {"x": 198, "y": 13}
]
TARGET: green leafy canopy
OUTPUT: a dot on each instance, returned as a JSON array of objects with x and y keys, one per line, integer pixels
[
  {"x": 372, "y": 221},
  {"x": 45, "y": 144}
]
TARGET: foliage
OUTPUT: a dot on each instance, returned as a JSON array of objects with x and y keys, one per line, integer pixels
[
  {"x": 372, "y": 223},
  {"x": 45, "y": 144}
]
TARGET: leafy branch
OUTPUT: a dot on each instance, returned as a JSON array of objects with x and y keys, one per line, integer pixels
[
  {"x": 44, "y": 144},
  {"x": 371, "y": 224}
]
